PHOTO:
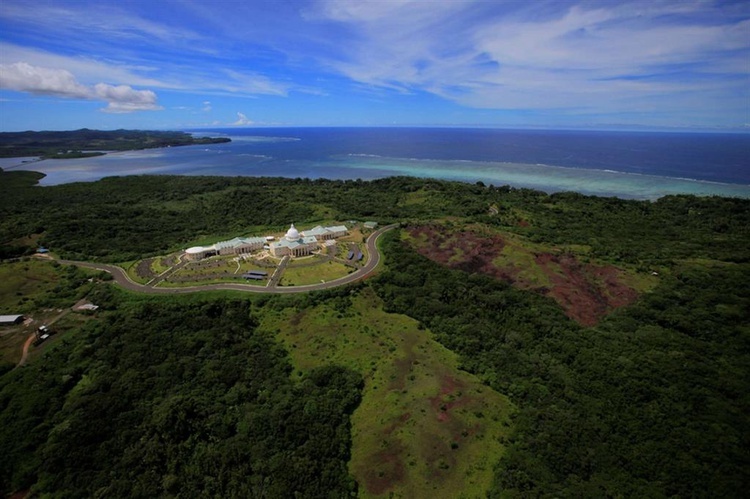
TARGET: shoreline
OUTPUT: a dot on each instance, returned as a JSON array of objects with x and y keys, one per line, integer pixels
[
  {"x": 243, "y": 161},
  {"x": 644, "y": 187}
]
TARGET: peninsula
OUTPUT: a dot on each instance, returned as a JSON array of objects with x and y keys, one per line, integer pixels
[{"x": 85, "y": 143}]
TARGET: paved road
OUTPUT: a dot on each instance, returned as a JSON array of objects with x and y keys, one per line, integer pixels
[
  {"x": 121, "y": 277},
  {"x": 274, "y": 280}
]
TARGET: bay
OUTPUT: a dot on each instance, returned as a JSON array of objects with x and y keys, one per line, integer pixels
[{"x": 640, "y": 165}]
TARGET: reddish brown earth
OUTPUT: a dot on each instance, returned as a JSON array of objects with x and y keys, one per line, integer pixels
[
  {"x": 587, "y": 292},
  {"x": 450, "y": 396},
  {"x": 464, "y": 250},
  {"x": 399, "y": 422},
  {"x": 389, "y": 471}
]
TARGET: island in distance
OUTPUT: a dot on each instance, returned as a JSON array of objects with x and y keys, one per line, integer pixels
[{"x": 84, "y": 142}]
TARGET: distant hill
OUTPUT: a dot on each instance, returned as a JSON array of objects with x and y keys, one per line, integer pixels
[{"x": 85, "y": 142}]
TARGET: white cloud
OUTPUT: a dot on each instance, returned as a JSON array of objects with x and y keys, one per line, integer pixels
[
  {"x": 251, "y": 83},
  {"x": 23, "y": 77},
  {"x": 104, "y": 20},
  {"x": 206, "y": 106},
  {"x": 406, "y": 11},
  {"x": 609, "y": 57},
  {"x": 172, "y": 76},
  {"x": 86, "y": 69},
  {"x": 242, "y": 120},
  {"x": 124, "y": 99}
]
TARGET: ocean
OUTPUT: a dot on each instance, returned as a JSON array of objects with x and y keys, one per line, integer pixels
[{"x": 639, "y": 165}]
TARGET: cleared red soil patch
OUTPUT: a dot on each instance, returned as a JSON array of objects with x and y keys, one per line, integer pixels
[
  {"x": 388, "y": 472},
  {"x": 463, "y": 250},
  {"x": 451, "y": 395},
  {"x": 586, "y": 292},
  {"x": 399, "y": 422}
]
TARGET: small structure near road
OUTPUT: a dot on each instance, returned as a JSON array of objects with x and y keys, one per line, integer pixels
[
  {"x": 255, "y": 275},
  {"x": 84, "y": 305},
  {"x": 11, "y": 320},
  {"x": 42, "y": 333}
]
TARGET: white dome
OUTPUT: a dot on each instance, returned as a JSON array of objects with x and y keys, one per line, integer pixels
[
  {"x": 292, "y": 234},
  {"x": 195, "y": 250}
]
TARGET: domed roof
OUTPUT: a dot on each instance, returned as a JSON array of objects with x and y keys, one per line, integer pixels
[{"x": 292, "y": 234}]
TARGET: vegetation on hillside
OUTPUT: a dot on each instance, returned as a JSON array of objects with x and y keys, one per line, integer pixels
[
  {"x": 177, "y": 399},
  {"x": 126, "y": 218},
  {"x": 651, "y": 403},
  {"x": 190, "y": 396}
]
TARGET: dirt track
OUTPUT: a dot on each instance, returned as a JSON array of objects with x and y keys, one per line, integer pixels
[{"x": 30, "y": 339}]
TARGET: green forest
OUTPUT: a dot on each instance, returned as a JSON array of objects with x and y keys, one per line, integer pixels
[
  {"x": 84, "y": 142},
  {"x": 198, "y": 396},
  {"x": 176, "y": 399}
]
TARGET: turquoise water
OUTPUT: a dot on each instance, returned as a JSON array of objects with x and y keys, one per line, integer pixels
[{"x": 640, "y": 166}]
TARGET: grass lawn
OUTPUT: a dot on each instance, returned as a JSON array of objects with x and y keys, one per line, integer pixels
[
  {"x": 21, "y": 282},
  {"x": 203, "y": 282},
  {"x": 130, "y": 269},
  {"x": 11, "y": 343},
  {"x": 157, "y": 267},
  {"x": 250, "y": 264},
  {"x": 208, "y": 267},
  {"x": 424, "y": 427},
  {"x": 299, "y": 276}
]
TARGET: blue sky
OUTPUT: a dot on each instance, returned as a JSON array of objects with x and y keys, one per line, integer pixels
[{"x": 197, "y": 63}]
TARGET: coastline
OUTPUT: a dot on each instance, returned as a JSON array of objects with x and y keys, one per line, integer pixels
[
  {"x": 545, "y": 161},
  {"x": 546, "y": 178}
]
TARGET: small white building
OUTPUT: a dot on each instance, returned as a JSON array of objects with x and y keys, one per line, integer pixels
[{"x": 9, "y": 320}]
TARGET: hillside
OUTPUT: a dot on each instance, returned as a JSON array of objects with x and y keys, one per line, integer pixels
[{"x": 514, "y": 344}]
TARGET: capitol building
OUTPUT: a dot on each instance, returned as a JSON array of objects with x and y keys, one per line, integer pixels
[{"x": 293, "y": 243}]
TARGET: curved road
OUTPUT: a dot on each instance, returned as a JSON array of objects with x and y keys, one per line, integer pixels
[{"x": 121, "y": 277}]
